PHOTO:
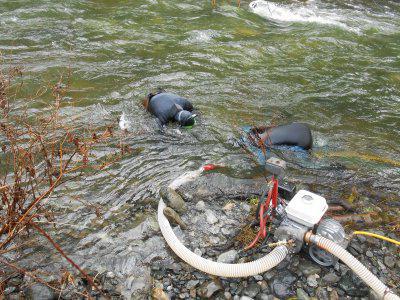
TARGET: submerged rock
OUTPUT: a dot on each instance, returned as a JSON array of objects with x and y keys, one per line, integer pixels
[{"x": 173, "y": 199}]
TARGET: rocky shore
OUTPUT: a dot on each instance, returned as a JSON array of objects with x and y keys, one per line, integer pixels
[{"x": 216, "y": 211}]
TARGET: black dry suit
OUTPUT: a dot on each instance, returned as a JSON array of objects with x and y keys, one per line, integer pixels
[
  {"x": 170, "y": 107},
  {"x": 294, "y": 134}
]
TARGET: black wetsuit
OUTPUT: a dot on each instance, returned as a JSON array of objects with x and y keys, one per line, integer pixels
[
  {"x": 294, "y": 134},
  {"x": 166, "y": 107}
]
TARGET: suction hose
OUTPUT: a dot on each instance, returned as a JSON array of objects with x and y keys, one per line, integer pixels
[
  {"x": 215, "y": 268},
  {"x": 370, "y": 279}
]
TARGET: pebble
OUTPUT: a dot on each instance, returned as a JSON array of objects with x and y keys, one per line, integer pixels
[
  {"x": 265, "y": 297},
  {"x": 331, "y": 278},
  {"x": 210, "y": 217},
  {"x": 200, "y": 205},
  {"x": 228, "y": 257},
  {"x": 211, "y": 288},
  {"x": 192, "y": 283},
  {"x": 309, "y": 268},
  {"x": 246, "y": 298},
  {"x": 252, "y": 290},
  {"x": 302, "y": 295},
  {"x": 389, "y": 261},
  {"x": 282, "y": 284},
  {"x": 258, "y": 277},
  {"x": 227, "y": 296},
  {"x": 333, "y": 295},
  {"x": 369, "y": 254},
  {"x": 312, "y": 280}
]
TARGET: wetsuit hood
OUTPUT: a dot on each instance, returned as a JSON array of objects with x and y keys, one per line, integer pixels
[{"x": 185, "y": 118}]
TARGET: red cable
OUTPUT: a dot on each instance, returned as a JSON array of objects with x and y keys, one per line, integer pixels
[{"x": 272, "y": 195}]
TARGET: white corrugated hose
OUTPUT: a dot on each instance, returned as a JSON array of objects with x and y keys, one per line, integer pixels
[
  {"x": 378, "y": 286},
  {"x": 216, "y": 268}
]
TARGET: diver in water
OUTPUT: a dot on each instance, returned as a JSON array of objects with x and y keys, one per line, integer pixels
[
  {"x": 168, "y": 107},
  {"x": 293, "y": 134}
]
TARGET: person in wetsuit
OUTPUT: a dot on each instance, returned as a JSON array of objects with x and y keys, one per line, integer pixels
[
  {"x": 168, "y": 107},
  {"x": 293, "y": 134}
]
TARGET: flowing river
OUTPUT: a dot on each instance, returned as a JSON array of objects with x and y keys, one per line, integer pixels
[{"x": 332, "y": 64}]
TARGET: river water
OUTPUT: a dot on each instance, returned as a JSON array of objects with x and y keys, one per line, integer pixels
[{"x": 332, "y": 64}]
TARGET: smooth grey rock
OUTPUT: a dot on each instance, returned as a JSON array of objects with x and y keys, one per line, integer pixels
[
  {"x": 309, "y": 268},
  {"x": 228, "y": 257},
  {"x": 321, "y": 293},
  {"x": 369, "y": 254},
  {"x": 331, "y": 278},
  {"x": 39, "y": 291},
  {"x": 333, "y": 295},
  {"x": 389, "y": 261},
  {"x": 353, "y": 286},
  {"x": 302, "y": 295},
  {"x": 258, "y": 277},
  {"x": 192, "y": 283},
  {"x": 312, "y": 280},
  {"x": 210, "y": 217},
  {"x": 227, "y": 296},
  {"x": 282, "y": 284},
  {"x": 265, "y": 297},
  {"x": 200, "y": 205},
  {"x": 211, "y": 288},
  {"x": 246, "y": 298},
  {"x": 252, "y": 290},
  {"x": 173, "y": 199}
]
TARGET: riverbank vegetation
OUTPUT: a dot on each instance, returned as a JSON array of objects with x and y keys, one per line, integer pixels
[{"x": 41, "y": 149}]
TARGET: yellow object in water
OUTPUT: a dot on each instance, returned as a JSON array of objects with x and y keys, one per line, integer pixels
[
  {"x": 367, "y": 157},
  {"x": 377, "y": 236}
]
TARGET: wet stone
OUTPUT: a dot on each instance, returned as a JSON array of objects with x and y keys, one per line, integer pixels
[
  {"x": 210, "y": 289},
  {"x": 282, "y": 284},
  {"x": 200, "y": 205},
  {"x": 192, "y": 283},
  {"x": 353, "y": 286},
  {"x": 228, "y": 257},
  {"x": 258, "y": 277},
  {"x": 265, "y": 297},
  {"x": 246, "y": 298},
  {"x": 369, "y": 254},
  {"x": 302, "y": 295},
  {"x": 389, "y": 261},
  {"x": 211, "y": 218},
  {"x": 312, "y": 280},
  {"x": 309, "y": 268},
  {"x": 252, "y": 290},
  {"x": 322, "y": 293},
  {"x": 331, "y": 278},
  {"x": 333, "y": 295}
]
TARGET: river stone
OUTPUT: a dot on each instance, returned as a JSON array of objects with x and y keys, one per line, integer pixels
[
  {"x": 252, "y": 290},
  {"x": 353, "y": 286},
  {"x": 265, "y": 297},
  {"x": 282, "y": 284},
  {"x": 210, "y": 289},
  {"x": 369, "y": 254},
  {"x": 192, "y": 283},
  {"x": 246, "y": 298},
  {"x": 211, "y": 218},
  {"x": 312, "y": 280},
  {"x": 39, "y": 291},
  {"x": 200, "y": 205},
  {"x": 389, "y": 261},
  {"x": 308, "y": 268},
  {"x": 331, "y": 278},
  {"x": 302, "y": 295},
  {"x": 173, "y": 199},
  {"x": 333, "y": 295},
  {"x": 228, "y": 257},
  {"x": 321, "y": 293}
]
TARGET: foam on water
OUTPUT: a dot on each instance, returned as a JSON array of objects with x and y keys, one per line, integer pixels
[{"x": 296, "y": 13}]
